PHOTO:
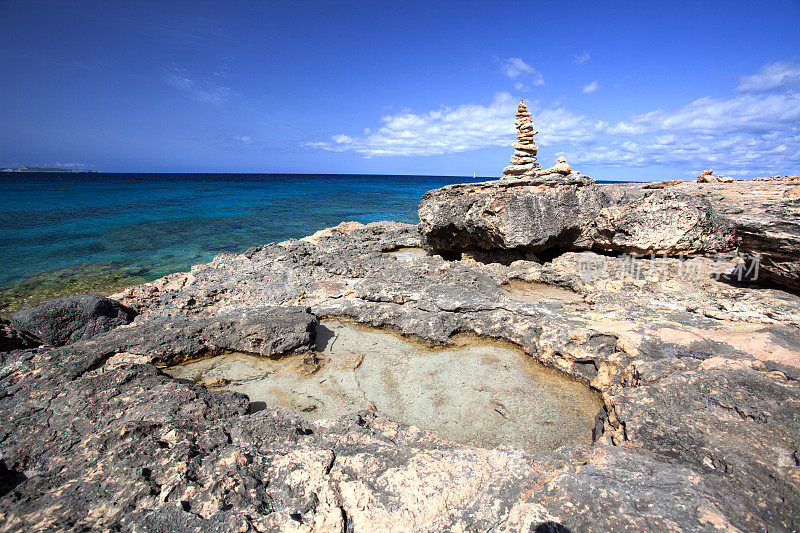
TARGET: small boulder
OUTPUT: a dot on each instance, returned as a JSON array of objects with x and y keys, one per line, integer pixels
[
  {"x": 707, "y": 176},
  {"x": 561, "y": 167},
  {"x": 72, "y": 318}
]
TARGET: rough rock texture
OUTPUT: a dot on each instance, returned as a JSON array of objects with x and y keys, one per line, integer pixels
[
  {"x": 532, "y": 214},
  {"x": 766, "y": 217},
  {"x": 72, "y": 318},
  {"x": 557, "y": 212},
  {"x": 662, "y": 184},
  {"x": 552, "y": 213},
  {"x": 11, "y": 339},
  {"x": 660, "y": 222},
  {"x": 265, "y": 331},
  {"x": 561, "y": 167},
  {"x": 523, "y": 162},
  {"x": 707, "y": 176},
  {"x": 699, "y": 376}
]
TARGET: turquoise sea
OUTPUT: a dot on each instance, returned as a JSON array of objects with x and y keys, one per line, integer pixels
[{"x": 63, "y": 233}]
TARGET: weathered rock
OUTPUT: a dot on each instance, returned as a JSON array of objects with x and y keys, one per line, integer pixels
[
  {"x": 662, "y": 184},
  {"x": 660, "y": 222},
  {"x": 529, "y": 215},
  {"x": 570, "y": 213},
  {"x": 767, "y": 223},
  {"x": 518, "y": 170},
  {"x": 561, "y": 167},
  {"x": 707, "y": 176},
  {"x": 699, "y": 378},
  {"x": 11, "y": 339},
  {"x": 266, "y": 331},
  {"x": 778, "y": 178},
  {"x": 774, "y": 236},
  {"x": 65, "y": 320}
]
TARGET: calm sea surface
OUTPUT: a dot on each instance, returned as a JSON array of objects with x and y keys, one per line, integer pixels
[
  {"x": 66, "y": 233},
  {"x": 71, "y": 233}
]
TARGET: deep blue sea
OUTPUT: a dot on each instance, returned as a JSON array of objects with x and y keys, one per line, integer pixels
[
  {"x": 63, "y": 233},
  {"x": 143, "y": 226}
]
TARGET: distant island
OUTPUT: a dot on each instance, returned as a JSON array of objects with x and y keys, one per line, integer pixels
[{"x": 45, "y": 169}]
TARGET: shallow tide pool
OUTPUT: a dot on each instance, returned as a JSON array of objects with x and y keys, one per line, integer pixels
[{"x": 477, "y": 391}]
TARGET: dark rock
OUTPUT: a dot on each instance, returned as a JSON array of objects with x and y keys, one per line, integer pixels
[
  {"x": 72, "y": 318},
  {"x": 774, "y": 235},
  {"x": 11, "y": 339}
]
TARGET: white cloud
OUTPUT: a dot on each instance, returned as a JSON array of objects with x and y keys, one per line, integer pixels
[
  {"x": 592, "y": 87},
  {"x": 778, "y": 75},
  {"x": 524, "y": 74},
  {"x": 461, "y": 128},
  {"x": 741, "y": 134},
  {"x": 750, "y": 112},
  {"x": 200, "y": 91},
  {"x": 515, "y": 67},
  {"x": 246, "y": 139},
  {"x": 582, "y": 58}
]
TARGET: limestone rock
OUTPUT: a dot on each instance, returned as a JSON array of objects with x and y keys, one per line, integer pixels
[
  {"x": 561, "y": 167},
  {"x": 265, "y": 331},
  {"x": 774, "y": 235},
  {"x": 662, "y": 184},
  {"x": 518, "y": 170},
  {"x": 570, "y": 212},
  {"x": 778, "y": 178},
  {"x": 72, "y": 318},
  {"x": 766, "y": 219},
  {"x": 531, "y": 215},
  {"x": 707, "y": 176},
  {"x": 661, "y": 222},
  {"x": 523, "y": 163},
  {"x": 700, "y": 380}
]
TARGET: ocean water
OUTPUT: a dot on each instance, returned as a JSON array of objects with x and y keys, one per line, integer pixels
[{"x": 72, "y": 233}]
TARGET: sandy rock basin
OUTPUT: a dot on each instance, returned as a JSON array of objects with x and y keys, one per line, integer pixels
[{"x": 476, "y": 392}]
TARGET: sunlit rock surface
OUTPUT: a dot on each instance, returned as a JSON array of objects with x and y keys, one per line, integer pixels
[
  {"x": 476, "y": 392},
  {"x": 698, "y": 375}
]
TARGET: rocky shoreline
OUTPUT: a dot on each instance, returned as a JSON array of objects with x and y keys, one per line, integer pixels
[{"x": 642, "y": 292}]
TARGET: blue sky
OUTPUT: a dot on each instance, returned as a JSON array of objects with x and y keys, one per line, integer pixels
[{"x": 630, "y": 90}]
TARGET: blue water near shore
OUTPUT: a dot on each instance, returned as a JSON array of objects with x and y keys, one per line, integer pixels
[
  {"x": 56, "y": 226},
  {"x": 155, "y": 224}
]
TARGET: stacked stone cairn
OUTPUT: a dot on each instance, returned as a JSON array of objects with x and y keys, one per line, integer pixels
[{"x": 523, "y": 162}]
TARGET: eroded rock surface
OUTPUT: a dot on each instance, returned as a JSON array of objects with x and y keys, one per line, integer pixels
[
  {"x": 530, "y": 215},
  {"x": 72, "y": 318},
  {"x": 474, "y": 391},
  {"x": 659, "y": 222},
  {"x": 552, "y": 213},
  {"x": 698, "y": 375}
]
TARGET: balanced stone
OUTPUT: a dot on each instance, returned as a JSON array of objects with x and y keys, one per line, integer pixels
[{"x": 523, "y": 162}]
